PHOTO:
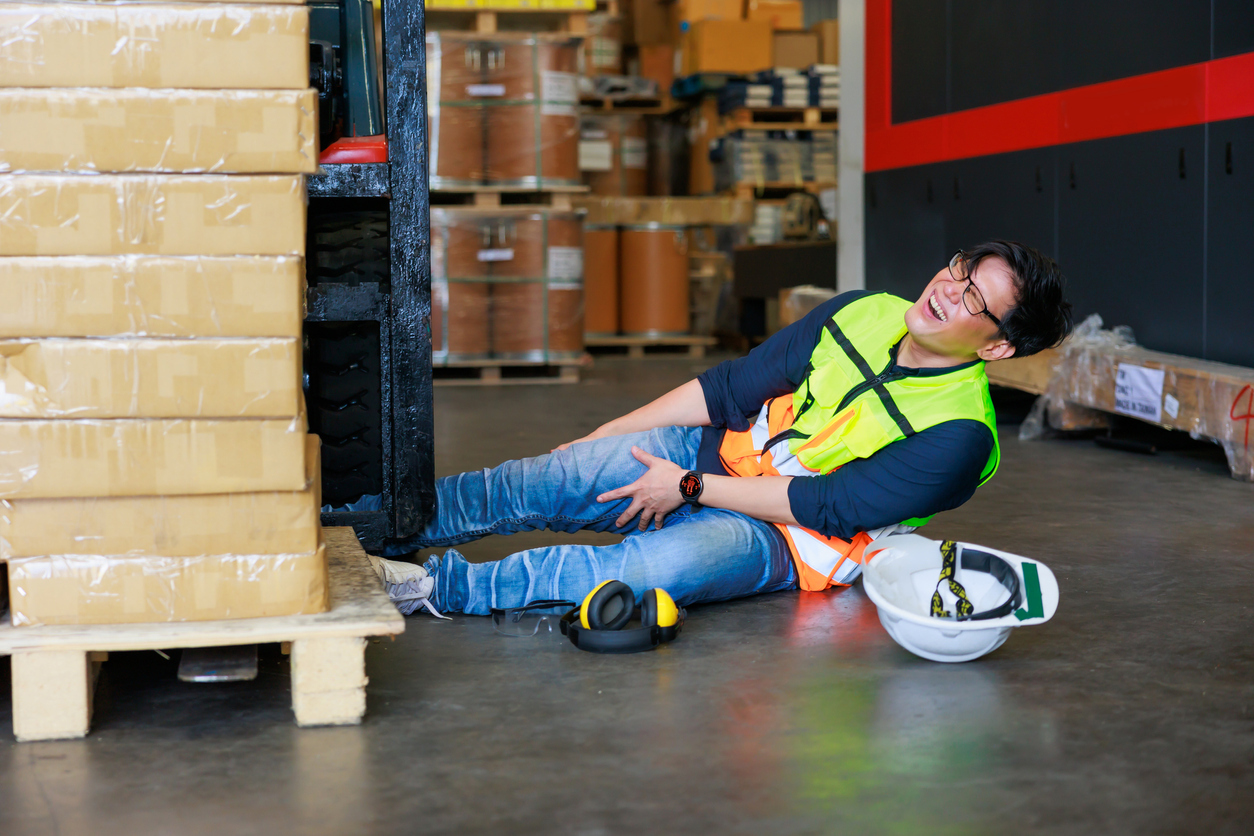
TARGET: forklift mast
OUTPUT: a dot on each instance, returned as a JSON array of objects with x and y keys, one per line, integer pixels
[
  {"x": 367, "y": 336},
  {"x": 347, "y": 27}
]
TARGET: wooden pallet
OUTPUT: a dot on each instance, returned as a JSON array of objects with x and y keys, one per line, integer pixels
[
  {"x": 1203, "y": 398},
  {"x": 707, "y": 210},
  {"x": 1028, "y": 374},
  {"x": 639, "y": 105},
  {"x": 556, "y": 197},
  {"x": 637, "y": 347},
  {"x": 505, "y": 373},
  {"x": 490, "y": 16},
  {"x": 54, "y": 668},
  {"x": 783, "y": 118},
  {"x": 768, "y": 191}
]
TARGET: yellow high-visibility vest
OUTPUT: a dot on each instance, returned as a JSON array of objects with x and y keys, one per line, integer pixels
[{"x": 854, "y": 401}]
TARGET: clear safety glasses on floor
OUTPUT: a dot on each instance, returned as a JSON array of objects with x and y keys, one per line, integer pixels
[{"x": 527, "y": 620}]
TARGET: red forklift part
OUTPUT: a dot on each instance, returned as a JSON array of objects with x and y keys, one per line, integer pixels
[{"x": 356, "y": 149}]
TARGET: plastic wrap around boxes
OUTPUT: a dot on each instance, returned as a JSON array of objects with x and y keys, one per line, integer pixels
[
  {"x": 189, "y": 45},
  {"x": 614, "y": 154},
  {"x": 148, "y": 214},
  {"x": 236, "y": 131},
  {"x": 503, "y": 110},
  {"x": 152, "y": 296},
  {"x": 155, "y": 462},
  {"x": 506, "y": 284}
]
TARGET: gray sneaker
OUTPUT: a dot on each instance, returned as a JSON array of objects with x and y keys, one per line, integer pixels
[{"x": 407, "y": 584}]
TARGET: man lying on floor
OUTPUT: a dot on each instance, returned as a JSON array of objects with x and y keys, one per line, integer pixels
[{"x": 868, "y": 415}]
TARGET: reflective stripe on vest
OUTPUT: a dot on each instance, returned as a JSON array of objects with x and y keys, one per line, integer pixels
[{"x": 845, "y": 410}]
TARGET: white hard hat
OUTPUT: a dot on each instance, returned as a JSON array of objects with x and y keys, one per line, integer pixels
[{"x": 910, "y": 578}]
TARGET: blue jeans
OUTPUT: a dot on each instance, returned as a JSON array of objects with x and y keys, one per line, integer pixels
[{"x": 712, "y": 555}]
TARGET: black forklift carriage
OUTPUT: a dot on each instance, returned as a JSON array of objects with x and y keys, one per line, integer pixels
[{"x": 367, "y": 337}]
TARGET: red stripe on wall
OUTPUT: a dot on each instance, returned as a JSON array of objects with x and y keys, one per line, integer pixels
[
  {"x": 1230, "y": 87},
  {"x": 1190, "y": 95}
]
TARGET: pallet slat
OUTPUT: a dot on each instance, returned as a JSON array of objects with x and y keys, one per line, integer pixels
[
  {"x": 767, "y": 190},
  {"x": 505, "y": 373},
  {"x": 482, "y": 16},
  {"x": 783, "y": 118},
  {"x": 642, "y": 106},
  {"x": 637, "y": 346},
  {"x": 489, "y": 197}
]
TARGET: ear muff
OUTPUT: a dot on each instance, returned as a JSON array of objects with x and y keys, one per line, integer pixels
[
  {"x": 609, "y": 606},
  {"x": 596, "y": 625}
]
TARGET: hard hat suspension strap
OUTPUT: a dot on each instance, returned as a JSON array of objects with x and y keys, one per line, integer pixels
[
  {"x": 949, "y": 554},
  {"x": 977, "y": 561}
]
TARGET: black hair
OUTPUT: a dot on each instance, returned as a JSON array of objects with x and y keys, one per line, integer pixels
[{"x": 1041, "y": 317}]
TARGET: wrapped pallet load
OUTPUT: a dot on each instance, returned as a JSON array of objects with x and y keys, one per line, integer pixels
[
  {"x": 506, "y": 283},
  {"x": 155, "y": 461},
  {"x": 503, "y": 109}
]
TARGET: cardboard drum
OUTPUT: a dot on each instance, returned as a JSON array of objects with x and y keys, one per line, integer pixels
[{"x": 653, "y": 295}]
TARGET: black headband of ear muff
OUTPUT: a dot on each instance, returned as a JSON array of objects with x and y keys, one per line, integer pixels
[{"x": 1005, "y": 573}]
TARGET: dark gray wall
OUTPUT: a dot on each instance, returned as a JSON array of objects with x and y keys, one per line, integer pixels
[
  {"x": 951, "y": 55},
  {"x": 1151, "y": 229}
]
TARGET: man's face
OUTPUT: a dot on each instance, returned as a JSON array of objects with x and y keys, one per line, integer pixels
[{"x": 941, "y": 324}]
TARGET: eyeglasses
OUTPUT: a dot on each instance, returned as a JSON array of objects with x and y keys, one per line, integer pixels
[
  {"x": 972, "y": 299},
  {"x": 527, "y": 620}
]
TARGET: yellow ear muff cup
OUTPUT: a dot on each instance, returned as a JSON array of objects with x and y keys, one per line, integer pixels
[
  {"x": 609, "y": 607},
  {"x": 587, "y": 604},
  {"x": 667, "y": 611}
]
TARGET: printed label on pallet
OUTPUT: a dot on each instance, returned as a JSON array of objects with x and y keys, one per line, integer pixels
[
  {"x": 635, "y": 153},
  {"x": 566, "y": 263},
  {"x": 595, "y": 155},
  {"x": 479, "y": 91},
  {"x": 559, "y": 87},
  {"x": 1139, "y": 392}
]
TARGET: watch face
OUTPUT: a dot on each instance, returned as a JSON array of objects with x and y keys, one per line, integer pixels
[{"x": 690, "y": 485}]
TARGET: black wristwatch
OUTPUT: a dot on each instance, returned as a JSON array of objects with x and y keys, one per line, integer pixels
[{"x": 690, "y": 488}]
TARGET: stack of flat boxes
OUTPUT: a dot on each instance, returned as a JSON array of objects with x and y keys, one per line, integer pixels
[
  {"x": 760, "y": 157},
  {"x": 154, "y": 457}
]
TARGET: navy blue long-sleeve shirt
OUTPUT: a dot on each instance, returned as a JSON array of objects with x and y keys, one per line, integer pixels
[{"x": 931, "y": 471}]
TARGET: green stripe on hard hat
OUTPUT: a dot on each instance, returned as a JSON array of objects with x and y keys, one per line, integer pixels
[{"x": 1032, "y": 590}]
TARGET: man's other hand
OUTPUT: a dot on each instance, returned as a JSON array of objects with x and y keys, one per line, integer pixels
[{"x": 653, "y": 495}]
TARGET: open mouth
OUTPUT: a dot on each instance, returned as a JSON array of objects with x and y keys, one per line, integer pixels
[{"x": 933, "y": 305}]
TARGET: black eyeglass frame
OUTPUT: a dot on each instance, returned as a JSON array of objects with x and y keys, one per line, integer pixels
[{"x": 971, "y": 286}]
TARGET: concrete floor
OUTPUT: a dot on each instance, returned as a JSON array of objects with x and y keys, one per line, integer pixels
[{"x": 1131, "y": 712}]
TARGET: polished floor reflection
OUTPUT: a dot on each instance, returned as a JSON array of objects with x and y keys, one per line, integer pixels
[{"x": 1131, "y": 712}]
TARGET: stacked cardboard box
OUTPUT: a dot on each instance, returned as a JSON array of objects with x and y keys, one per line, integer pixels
[
  {"x": 760, "y": 158},
  {"x": 154, "y": 457}
]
